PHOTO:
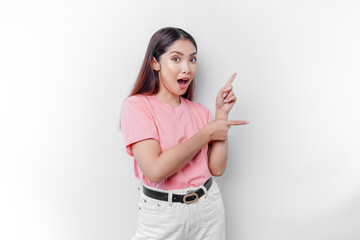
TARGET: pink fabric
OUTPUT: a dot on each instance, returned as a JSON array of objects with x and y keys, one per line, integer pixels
[{"x": 146, "y": 117}]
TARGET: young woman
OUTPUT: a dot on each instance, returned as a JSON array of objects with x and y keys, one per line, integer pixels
[{"x": 176, "y": 145}]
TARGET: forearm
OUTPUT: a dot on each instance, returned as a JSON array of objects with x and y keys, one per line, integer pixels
[
  {"x": 176, "y": 157},
  {"x": 218, "y": 152},
  {"x": 218, "y": 157}
]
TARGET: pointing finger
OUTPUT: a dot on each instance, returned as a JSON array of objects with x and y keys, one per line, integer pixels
[
  {"x": 234, "y": 122},
  {"x": 229, "y": 82}
]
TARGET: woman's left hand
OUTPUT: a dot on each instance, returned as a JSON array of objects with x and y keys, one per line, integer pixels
[{"x": 226, "y": 98}]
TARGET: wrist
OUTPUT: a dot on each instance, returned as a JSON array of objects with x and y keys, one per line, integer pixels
[
  {"x": 221, "y": 115},
  {"x": 206, "y": 133}
]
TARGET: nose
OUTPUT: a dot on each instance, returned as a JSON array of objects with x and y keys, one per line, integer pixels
[{"x": 185, "y": 67}]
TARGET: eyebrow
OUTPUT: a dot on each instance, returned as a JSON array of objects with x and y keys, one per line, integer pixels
[{"x": 182, "y": 53}]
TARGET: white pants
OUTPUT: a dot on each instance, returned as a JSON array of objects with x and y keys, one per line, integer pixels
[{"x": 203, "y": 219}]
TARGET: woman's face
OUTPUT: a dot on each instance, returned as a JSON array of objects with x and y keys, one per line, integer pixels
[{"x": 176, "y": 67}]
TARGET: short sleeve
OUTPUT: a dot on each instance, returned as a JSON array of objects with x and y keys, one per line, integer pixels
[{"x": 137, "y": 123}]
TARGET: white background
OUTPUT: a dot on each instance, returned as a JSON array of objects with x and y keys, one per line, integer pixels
[{"x": 66, "y": 67}]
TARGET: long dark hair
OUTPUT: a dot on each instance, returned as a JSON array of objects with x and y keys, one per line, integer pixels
[{"x": 147, "y": 81}]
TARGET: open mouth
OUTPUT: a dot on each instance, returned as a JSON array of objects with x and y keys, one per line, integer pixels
[{"x": 182, "y": 82}]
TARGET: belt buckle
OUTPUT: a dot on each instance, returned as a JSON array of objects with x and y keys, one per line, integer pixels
[{"x": 191, "y": 194}]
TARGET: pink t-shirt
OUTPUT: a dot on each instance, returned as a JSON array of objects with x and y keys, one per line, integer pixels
[{"x": 146, "y": 117}]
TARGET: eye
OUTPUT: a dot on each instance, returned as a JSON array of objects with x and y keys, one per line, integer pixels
[
  {"x": 193, "y": 60},
  {"x": 176, "y": 59}
]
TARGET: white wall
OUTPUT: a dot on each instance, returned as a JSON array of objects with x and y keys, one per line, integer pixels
[{"x": 66, "y": 67}]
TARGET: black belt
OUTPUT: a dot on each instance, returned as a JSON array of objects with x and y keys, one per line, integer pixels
[{"x": 183, "y": 198}]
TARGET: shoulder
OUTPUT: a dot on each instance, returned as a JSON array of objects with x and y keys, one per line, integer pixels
[
  {"x": 137, "y": 104},
  {"x": 136, "y": 101},
  {"x": 136, "y": 110}
]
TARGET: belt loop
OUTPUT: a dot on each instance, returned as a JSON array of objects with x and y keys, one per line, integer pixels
[
  {"x": 170, "y": 198},
  {"x": 140, "y": 186},
  {"x": 205, "y": 190}
]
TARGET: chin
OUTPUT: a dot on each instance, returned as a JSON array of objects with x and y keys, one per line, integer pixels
[{"x": 182, "y": 92}]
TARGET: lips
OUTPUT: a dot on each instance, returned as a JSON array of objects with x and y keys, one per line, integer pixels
[{"x": 182, "y": 82}]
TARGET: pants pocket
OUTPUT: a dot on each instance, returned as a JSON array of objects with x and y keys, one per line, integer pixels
[
  {"x": 152, "y": 206},
  {"x": 213, "y": 193}
]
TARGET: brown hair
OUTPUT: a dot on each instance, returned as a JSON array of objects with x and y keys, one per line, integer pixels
[{"x": 147, "y": 81}]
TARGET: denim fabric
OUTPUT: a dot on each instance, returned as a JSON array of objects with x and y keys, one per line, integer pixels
[{"x": 203, "y": 219}]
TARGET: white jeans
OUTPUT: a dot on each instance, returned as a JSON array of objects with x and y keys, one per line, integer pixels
[{"x": 203, "y": 219}]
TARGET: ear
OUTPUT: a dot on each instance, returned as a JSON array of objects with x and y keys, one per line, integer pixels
[{"x": 155, "y": 64}]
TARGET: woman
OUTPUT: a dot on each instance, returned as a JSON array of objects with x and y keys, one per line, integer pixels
[{"x": 176, "y": 145}]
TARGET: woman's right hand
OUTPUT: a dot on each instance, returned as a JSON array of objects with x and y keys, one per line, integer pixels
[{"x": 218, "y": 129}]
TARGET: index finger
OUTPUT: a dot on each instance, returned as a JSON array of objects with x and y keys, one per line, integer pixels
[
  {"x": 229, "y": 82},
  {"x": 235, "y": 122}
]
